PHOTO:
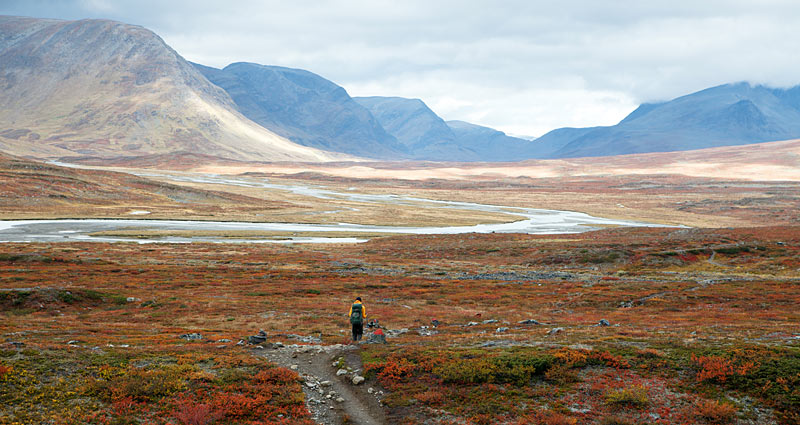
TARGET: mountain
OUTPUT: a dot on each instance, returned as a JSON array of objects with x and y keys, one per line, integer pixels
[
  {"x": 103, "y": 88},
  {"x": 726, "y": 115},
  {"x": 418, "y": 128},
  {"x": 305, "y": 108},
  {"x": 430, "y": 138},
  {"x": 491, "y": 144}
]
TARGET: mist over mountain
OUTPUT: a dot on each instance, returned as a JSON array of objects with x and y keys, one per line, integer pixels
[
  {"x": 726, "y": 115},
  {"x": 104, "y": 88},
  {"x": 305, "y": 108}
]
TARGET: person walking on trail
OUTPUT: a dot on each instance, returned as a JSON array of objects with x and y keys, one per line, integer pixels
[{"x": 357, "y": 315}]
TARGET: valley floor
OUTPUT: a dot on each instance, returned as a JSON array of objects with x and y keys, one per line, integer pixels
[{"x": 618, "y": 326}]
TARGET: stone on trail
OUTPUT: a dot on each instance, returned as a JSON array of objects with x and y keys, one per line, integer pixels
[
  {"x": 358, "y": 379},
  {"x": 341, "y": 372}
]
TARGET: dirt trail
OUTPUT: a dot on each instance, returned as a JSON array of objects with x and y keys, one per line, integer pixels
[{"x": 331, "y": 399}]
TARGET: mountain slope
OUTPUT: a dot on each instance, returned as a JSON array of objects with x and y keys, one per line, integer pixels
[
  {"x": 103, "y": 88},
  {"x": 418, "y": 128},
  {"x": 727, "y": 115},
  {"x": 304, "y": 108}
]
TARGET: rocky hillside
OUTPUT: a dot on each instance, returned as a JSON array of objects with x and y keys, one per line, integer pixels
[
  {"x": 727, "y": 115},
  {"x": 305, "y": 108},
  {"x": 103, "y": 88}
]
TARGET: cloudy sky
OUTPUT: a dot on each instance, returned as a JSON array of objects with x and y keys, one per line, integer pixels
[{"x": 524, "y": 67}]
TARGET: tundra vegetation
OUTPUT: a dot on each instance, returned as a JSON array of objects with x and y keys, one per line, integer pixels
[{"x": 618, "y": 326}]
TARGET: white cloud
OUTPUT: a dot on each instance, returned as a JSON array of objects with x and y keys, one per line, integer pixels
[{"x": 524, "y": 67}]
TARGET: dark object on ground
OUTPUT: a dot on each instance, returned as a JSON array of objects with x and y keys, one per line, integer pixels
[
  {"x": 373, "y": 323},
  {"x": 529, "y": 322},
  {"x": 435, "y": 323},
  {"x": 191, "y": 337},
  {"x": 256, "y": 339},
  {"x": 603, "y": 322}
]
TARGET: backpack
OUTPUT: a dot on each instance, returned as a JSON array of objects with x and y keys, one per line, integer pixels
[{"x": 356, "y": 317}]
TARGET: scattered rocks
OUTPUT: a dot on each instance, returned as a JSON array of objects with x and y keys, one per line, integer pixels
[
  {"x": 529, "y": 322},
  {"x": 555, "y": 331},
  {"x": 358, "y": 379},
  {"x": 191, "y": 337},
  {"x": 224, "y": 340},
  {"x": 501, "y": 330}
]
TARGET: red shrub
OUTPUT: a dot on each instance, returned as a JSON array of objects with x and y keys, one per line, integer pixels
[
  {"x": 715, "y": 412},
  {"x": 713, "y": 368},
  {"x": 608, "y": 359},
  {"x": 190, "y": 413},
  {"x": 4, "y": 370}
]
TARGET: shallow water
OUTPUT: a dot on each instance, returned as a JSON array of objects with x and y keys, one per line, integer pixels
[{"x": 533, "y": 221}]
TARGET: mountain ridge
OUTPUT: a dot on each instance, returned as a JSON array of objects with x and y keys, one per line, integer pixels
[{"x": 104, "y": 88}]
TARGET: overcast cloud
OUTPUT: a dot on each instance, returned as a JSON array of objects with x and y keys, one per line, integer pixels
[{"x": 524, "y": 67}]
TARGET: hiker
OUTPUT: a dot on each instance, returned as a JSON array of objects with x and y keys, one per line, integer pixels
[{"x": 357, "y": 315}]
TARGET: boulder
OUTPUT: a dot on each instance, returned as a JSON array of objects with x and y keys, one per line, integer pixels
[
  {"x": 529, "y": 322},
  {"x": 358, "y": 379},
  {"x": 191, "y": 337}
]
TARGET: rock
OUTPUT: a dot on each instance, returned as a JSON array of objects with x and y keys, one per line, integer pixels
[
  {"x": 311, "y": 384},
  {"x": 73, "y": 342},
  {"x": 371, "y": 390},
  {"x": 325, "y": 383},
  {"x": 435, "y": 323},
  {"x": 603, "y": 322},
  {"x": 256, "y": 339},
  {"x": 490, "y": 321},
  {"x": 341, "y": 372},
  {"x": 241, "y": 342},
  {"x": 529, "y": 322},
  {"x": 377, "y": 337},
  {"x": 293, "y": 367},
  {"x": 339, "y": 400},
  {"x": 472, "y": 324},
  {"x": 501, "y": 330},
  {"x": 358, "y": 379},
  {"x": 132, "y": 299},
  {"x": 427, "y": 332},
  {"x": 262, "y": 332},
  {"x": 555, "y": 331},
  {"x": 191, "y": 337},
  {"x": 396, "y": 332},
  {"x": 224, "y": 340}
]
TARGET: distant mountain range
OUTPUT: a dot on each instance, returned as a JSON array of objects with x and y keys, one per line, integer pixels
[
  {"x": 726, "y": 115},
  {"x": 105, "y": 89}
]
